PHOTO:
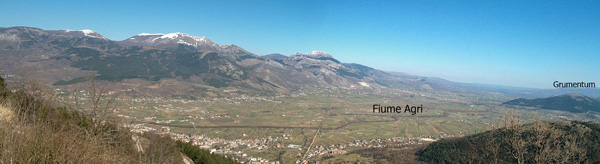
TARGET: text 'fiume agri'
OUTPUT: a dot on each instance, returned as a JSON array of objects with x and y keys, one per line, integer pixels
[{"x": 377, "y": 108}]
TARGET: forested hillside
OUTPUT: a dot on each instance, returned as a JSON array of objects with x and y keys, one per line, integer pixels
[{"x": 537, "y": 142}]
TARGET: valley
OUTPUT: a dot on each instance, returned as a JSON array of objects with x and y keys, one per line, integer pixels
[{"x": 335, "y": 121}]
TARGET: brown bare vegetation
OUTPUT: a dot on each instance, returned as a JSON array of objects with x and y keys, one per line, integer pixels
[
  {"x": 35, "y": 130},
  {"x": 534, "y": 142}
]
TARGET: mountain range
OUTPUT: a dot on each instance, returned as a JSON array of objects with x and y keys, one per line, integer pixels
[
  {"x": 64, "y": 57},
  {"x": 179, "y": 63}
]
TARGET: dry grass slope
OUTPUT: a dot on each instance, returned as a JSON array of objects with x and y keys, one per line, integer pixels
[{"x": 34, "y": 130}]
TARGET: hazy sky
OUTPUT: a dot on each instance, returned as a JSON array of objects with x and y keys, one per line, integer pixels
[{"x": 514, "y": 43}]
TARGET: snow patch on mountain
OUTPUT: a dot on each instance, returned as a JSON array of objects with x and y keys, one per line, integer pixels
[
  {"x": 90, "y": 33},
  {"x": 170, "y": 35},
  {"x": 312, "y": 54},
  {"x": 172, "y": 40},
  {"x": 148, "y": 34},
  {"x": 320, "y": 54},
  {"x": 180, "y": 38}
]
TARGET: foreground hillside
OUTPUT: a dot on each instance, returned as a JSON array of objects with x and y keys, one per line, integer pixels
[
  {"x": 34, "y": 130},
  {"x": 538, "y": 142}
]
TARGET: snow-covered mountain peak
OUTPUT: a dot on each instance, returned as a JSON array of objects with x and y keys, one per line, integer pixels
[
  {"x": 320, "y": 54},
  {"x": 88, "y": 33},
  {"x": 313, "y": 54},
  {"x": 182, "y": 38},
  {"x": 179, "y": 35},
  {"x": 174, "y": 40},
  {"x": 148, "y": 34}
]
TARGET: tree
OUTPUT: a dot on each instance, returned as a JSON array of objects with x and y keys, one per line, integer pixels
[
  {"x": 514, "y": 136},
  {"x": 493, "y": 143},
  {"x": 3, "y": 90}
]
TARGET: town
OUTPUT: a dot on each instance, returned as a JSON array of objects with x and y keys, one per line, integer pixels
[{"x": 231, "y": 148}]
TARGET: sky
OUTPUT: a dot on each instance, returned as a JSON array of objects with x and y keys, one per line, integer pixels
[{"x": 513, "y": 43}]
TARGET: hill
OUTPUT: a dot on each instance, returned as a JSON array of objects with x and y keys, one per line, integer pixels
[
  {"x": 34, "y": 130},
  {"x": 576, "y": 103},
  {"x": 538, "y": 142}
]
